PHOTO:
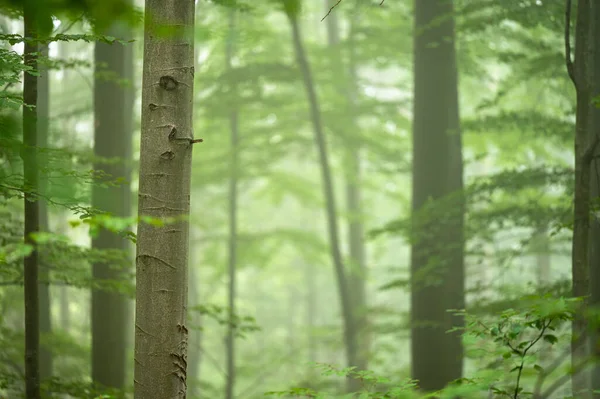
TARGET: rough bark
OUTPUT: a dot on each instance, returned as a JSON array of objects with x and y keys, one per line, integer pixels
[
  {"x": 437, "y": 269},
  {"x": 233, "y": 200},
  {"x": 328, "y": 192},
  {"x": 31, "y": 224},
  {"x": 164, "y": 192},
  {"x": 112, "y": 141},
  {"x": 43, "y": 117}
]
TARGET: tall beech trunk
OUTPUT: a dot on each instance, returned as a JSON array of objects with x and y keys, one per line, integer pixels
[
  {"x": 32, "y": 217},
  {"x": 113, "y": 109},
  {"x": 437, "y": 268},
  {"x": 594, "y": 238},
  {"x": 584, "y": 73},
  {"x": 233, "y": 199},
  {"x": 580, "y": 71},
  {"x": 161, "y": 334},
  {"x": 357, "y": 270},
  {"x": 43, "y": 118},
  {"x": 327, "y": 184}
]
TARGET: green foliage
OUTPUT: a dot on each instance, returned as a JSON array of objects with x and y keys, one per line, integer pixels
[
  {"x": 515, "y": 334},
  {"x": 240, "y": 324}
]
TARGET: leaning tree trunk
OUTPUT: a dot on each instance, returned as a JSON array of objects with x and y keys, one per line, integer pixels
[
  {"x": 327, "y": 184},
  {"x": 233, "y": 200},
  {"x": 357, "y": 271},
  {"x": 167, "y": 138},
  {"x": 112, "y": 139},
  {"x": 437, "y": 275},
  {"x": 581, "y": 72},
  {"x": 30, "y": 172}
]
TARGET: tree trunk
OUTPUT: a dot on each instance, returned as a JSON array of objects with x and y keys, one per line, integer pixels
[
  {"x": 357, "y": 271},
  {"x": 233, "y": 188},
  {"x": 542, "y": 255},
  {"x": 32, "y": 221},
  {"x": 112, "y": 139},
  {"x": 43, "y": 118},
  {"x": 164, "y": 192},
  {"x": 586, "y": 139},
  {"x": 437, "y": 275},
  {"x": 312, "y": 296},
  {"x": 328, "y": 192}
]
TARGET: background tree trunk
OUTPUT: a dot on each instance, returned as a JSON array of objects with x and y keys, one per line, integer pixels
[
  {"x": 594, "y": 238},
  {"x": 161, "y": 334},
  {"x": 582, "y": 74},
  {"x": 233, "y": 189},
  {"x": 437, "y": 275},
  {"x": 43, "y": 117},
  {"x": 357, "y": 271},
  {"x": 32, "y": 221},
  {"x": 328, "y": 192},
  {"x": 113, "y": 109}
]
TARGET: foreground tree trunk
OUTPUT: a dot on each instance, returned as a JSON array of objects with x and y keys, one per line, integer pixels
[
  {"x": 437, "y": 269},
  {"x": 291, "y": 9},
  {"x": 233, "y": 197},
  {"x": 32, "y": 222},
  {"x": 112, "y": 139},
  {"x": 164, "y": 192}
]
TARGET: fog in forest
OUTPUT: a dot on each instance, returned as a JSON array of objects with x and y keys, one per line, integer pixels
[{"x": 299, "y": 199}]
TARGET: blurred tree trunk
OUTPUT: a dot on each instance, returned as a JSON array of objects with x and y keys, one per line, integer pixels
[
  {"x": 584, "y": 256},
  {"x": 32, "y": 217},
  {"x": 291, "y": 9},
  {"x": 233, "y": 189},
  {"x": 113, "y": 109},
  {"x": 541, "y": 243},
  {"x": 161, "y": 335},
  {"x": 43, "y": 117},
  {"x": 357, "y": 270},
  {"x": 437, "y": 265}
]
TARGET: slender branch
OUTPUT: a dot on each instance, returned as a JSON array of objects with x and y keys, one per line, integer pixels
[
  {"x": 568, "y": 59},
  {"x": 524, "y": 353},
  {"x": 331, "y": 9}
]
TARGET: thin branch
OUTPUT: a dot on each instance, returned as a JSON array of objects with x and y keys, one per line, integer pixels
[
  {"x": 568, "y": 59},
  {"x": 330, "y": 10}
]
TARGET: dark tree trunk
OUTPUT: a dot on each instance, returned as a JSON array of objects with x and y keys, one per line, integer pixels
[
  {"x": 585, "y": 73},
  {"x": 32, "y": 221},
  {"x": 43, "y": 118},
  {"x": 586, "y": 140},
  {"x": 234, "y": 129},
  {"x": 112, "y": 139},
  {"x": 437, "y": 269},
  {"x": 594, "y": 238}
]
